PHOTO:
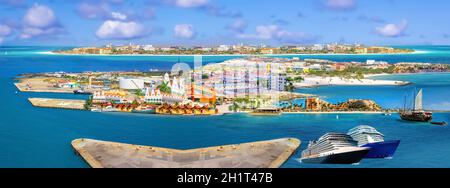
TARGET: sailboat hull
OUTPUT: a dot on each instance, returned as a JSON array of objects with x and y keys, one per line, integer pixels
[{"x": 417, "y": 116}]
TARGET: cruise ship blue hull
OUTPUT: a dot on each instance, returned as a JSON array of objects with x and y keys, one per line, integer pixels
[
  {"x": 382, "y": 149},
  {"x": 341, "y": 158}
]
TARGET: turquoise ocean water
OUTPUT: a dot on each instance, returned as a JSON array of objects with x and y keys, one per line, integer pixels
[{"x": 38, "y": 137}]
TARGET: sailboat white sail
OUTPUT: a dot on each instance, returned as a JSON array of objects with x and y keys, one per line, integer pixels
[{"x": 418, "y": 101}]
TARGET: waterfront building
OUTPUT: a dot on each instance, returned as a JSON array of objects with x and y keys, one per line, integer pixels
[
  {"x": 109, "y": 96},
  {"x": 68, "y": 85},
  {"x": 186, "y": 109},
  {"x": 131, "y": 83},
  {"x": 177, "y": 87},
  {"x": 223, "y": 48},
  {"x": 105, "y": 50},
  {"x": 317, "y": 47},
  {"x": 153, "y": 96},
  {"x": 269, "y": 50},
  {"x": 361, "y": 50},
  {"x": 239, "y": 78},
  {"x": 148, "y": 48},
  {"x": 298, "y": 66},
  {"x": 315, "y": 67}
]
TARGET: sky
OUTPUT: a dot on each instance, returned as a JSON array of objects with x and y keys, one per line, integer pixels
[{"x": 215, "y": 22}]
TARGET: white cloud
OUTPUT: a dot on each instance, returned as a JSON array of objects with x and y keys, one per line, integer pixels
[
  {"x": 339, "y": 5},
  {"x": 238, "y": 26},
  {"x": 184, "y": 31},
  {"x": 92, "y": 11},
  {"x": 40, "y": 20},
  {"x": 392, "y": 30},
  {"x": 275, "y": 32},
  {"x": 118, "y": 16},
  {"x": 114, "y": 29},
  {"x": 5, "y": 31},
  {"x": 40, "y": 16},
  {"x": 191, "y": 3}
]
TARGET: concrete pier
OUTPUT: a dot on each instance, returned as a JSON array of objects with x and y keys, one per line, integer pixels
[
  {"x": 263, "y": 154},
  {"x": 58, "y": 103}
]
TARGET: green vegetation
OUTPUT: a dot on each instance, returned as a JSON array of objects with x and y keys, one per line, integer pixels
[
  {"x": 352, "y": 72},
  {"x": 88, "y": 103},
  {"x": 298, "y": 79},
  {"x": 138, "y": 92},
  {"x": 164, "y": 88},
  {"x": 289, "y": 86}
]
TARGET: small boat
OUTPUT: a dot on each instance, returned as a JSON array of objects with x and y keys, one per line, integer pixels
[
  {"x": 144, "y": 110},
  {"x": 96, "y": 110},
  {"x": 417, "y": 113},
  {"x": 443, "y": 123},
  {"x": 266, "y": 112},
  {"x": 334, "y": 148},
  {"x": 367, "y": 136},
  {"x": 82, "y": 92}
]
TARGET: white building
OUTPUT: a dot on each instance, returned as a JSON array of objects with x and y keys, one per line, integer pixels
[
  {"x": 373, "y": 62},
  {"x": 298, "y": 65},
  {"x": 148, "y": 48},
  {"x": 177, "y": 87},
  {"x": 223, "y": 48},
  {"x": 317, "y": 47},
  {"x": 102, "y": 96},
  {"x": 153, "y": 96},
  {"x": 131, "y": 83}
]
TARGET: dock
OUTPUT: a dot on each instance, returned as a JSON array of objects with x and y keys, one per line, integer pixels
[
  {"x": 39, "y": 85},
  {"x": 58, "y": 103},
  {"x": 263, "y": 154}
]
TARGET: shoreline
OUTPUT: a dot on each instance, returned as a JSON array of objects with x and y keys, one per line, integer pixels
[
  {"x": 317, "y": 81},
  {"x": 224, "y": 55},
  {"x": 399, "y": 74}
]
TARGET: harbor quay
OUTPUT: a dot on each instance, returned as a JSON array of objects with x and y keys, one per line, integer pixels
[
  {"x": 58, "y": 103},
  {"x": 263, "y": 154}
]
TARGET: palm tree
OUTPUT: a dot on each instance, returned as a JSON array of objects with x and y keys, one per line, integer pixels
[{"x": 164, "y": 87}]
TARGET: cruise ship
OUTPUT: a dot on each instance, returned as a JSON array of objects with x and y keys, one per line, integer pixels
[
  {"x": 367, "y": 136},
  {"x": 334, "y": 148}
]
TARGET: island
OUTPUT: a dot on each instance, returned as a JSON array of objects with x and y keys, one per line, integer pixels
[
  {"x": 241, "y": 49},
  {"x": 253, "y": 85}
]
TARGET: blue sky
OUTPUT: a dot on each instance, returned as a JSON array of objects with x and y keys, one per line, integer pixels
[{"x": 213, "y": 22}]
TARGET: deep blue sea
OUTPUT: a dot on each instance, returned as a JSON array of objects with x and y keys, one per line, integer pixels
[{"x": 39, "y": 137}]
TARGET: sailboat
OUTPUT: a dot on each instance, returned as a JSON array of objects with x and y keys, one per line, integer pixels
[{"x": 417, "y": 113}]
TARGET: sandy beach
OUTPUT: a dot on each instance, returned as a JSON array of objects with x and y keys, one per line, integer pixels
[{"x": 326, "y": 81}]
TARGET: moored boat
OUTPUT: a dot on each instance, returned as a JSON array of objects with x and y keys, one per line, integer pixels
[
  {"x": 367, "y": 136},
  {"x": 82, "y": 92},
  {"x": 334, "y": 148},
  {"x": 442, "y": 123},
  {"x": 266, "y": 112},
  {"x": 417, "y": 113},
  {"x": 144, "y": 110}
]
